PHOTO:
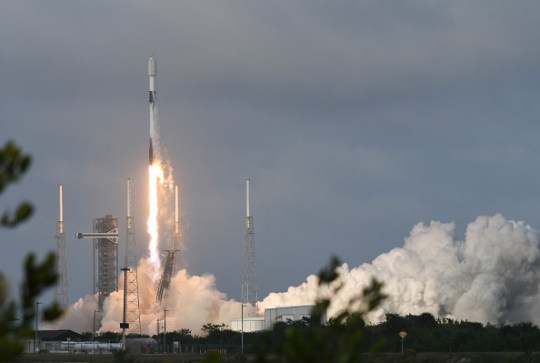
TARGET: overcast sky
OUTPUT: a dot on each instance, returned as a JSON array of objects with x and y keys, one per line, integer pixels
[{"x": 355, "y": 120}]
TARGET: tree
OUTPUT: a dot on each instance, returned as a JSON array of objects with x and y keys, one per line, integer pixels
[
  {"x": 314, "y": 341},
  {"x": 13, "y": 165},
  {"x": 210, "y": 328},
  {"x": 38, "y": 276}
]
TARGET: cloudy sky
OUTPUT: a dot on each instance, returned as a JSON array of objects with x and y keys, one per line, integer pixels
[{"x": 355, "y": 120}]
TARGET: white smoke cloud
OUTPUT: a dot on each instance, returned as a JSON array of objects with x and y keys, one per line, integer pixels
[
  {"x": 78, "y": 317},
  {"x": 191, "y": 301},
  {"x": 492, "y": 276}
]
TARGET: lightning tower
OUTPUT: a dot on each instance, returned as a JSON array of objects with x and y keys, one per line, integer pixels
[
  {"x": 133, "y": 316},
  {"x": 249, "y": 278},
  {"x": 61, "y": 288},
  {"x": 165, "y": 281}
]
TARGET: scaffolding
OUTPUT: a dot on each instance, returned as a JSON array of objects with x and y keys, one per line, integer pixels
[
  {"x": 165, "y": 280},
  {"x": 107, "y": 253}
]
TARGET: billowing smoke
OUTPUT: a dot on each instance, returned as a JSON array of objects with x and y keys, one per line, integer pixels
[
  {"x": 492, "y": 276},
  {"x": 191, "y": 301}
]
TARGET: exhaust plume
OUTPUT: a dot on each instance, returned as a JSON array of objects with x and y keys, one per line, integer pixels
[
  {"x": 192, "y": 301},
  {"x": 492, "y": 276}
]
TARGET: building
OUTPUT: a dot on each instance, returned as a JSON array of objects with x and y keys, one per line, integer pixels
[
  {"x": 272, "y": 316},
  {"x": 52, "y": 340},
  {"x": 286, "y": 314},
  {"x": 250, "y": 325}
]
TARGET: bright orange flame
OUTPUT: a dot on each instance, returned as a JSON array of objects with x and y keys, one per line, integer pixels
[{"x": 156, "y": 174}]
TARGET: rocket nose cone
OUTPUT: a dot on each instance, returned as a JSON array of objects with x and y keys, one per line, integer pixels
[{"x": 152, "y": 66}]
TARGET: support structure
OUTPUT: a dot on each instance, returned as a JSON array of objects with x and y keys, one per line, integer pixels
[
  {"x": 165, "y": 349},
  {"x": 107, "y": 251},
  {"x": 105, "y": 237},
  {"x": 249, "y": 272},
  {"x": 158, "y": 332},
  {"x": 133, "y": 316},
  {"x": 124, "y": 325},
  {"x": 165, "y": 280},
  {"x": 61, "y": 291}
]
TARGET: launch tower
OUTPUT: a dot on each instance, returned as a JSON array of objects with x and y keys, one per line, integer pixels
[
  {"x": 61, "y": 287},
  {"x": 133, "y": 317},
  {"x": 165, "y": 281},
  {"x": 249, "y": 278},
  {"x": 107, "y": 250}
]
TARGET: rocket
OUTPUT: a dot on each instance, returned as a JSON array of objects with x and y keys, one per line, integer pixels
[{"x": 152, "y": 100}]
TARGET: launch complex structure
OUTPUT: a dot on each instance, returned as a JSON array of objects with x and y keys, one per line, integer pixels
[
  {"x": 165, "y": 280},
  {"x": 105, "y": 236},
  {"x": 106, "y": 233}
]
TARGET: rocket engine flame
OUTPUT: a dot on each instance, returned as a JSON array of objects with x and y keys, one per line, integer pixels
[{"x": 155, "y": 173}]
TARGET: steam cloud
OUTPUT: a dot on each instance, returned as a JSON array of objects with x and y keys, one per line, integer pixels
[
  {"x": 192, "y": 301},
  {"x": 493, "y": 276}
]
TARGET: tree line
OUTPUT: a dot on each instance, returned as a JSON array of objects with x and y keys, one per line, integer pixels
[{"x": 425, "y": 333}]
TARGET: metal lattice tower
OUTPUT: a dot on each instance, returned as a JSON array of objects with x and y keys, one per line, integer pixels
[
  {"x": 165, "y": 280},
  {"x": 61, "y": 268},
  {"x": 133, "y": 316},
  {"x": 249, "y": 274},
  {"x": 107, "y": 251}
]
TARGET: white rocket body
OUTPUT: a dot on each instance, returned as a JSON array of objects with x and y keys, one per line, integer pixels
[{"x": 152, "y": 101}]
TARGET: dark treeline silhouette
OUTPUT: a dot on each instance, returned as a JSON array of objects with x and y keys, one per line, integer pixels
[
  {"x": 427, "y": 334},
  {"x": 424, "y": 334}
]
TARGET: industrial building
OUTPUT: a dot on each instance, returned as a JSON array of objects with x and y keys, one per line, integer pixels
[
  {"x": 272, "y": 316},
  {"x": 248, "y": 325}
]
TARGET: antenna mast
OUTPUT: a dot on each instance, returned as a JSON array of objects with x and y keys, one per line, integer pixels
[
  {"x": 249, "y": 275},
  {"x": 61, "y": 287}
]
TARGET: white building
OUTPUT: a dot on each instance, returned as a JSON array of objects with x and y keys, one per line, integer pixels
[
  {"x": 272, "y": 316},
  {"x": 251, "y": 324}
]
